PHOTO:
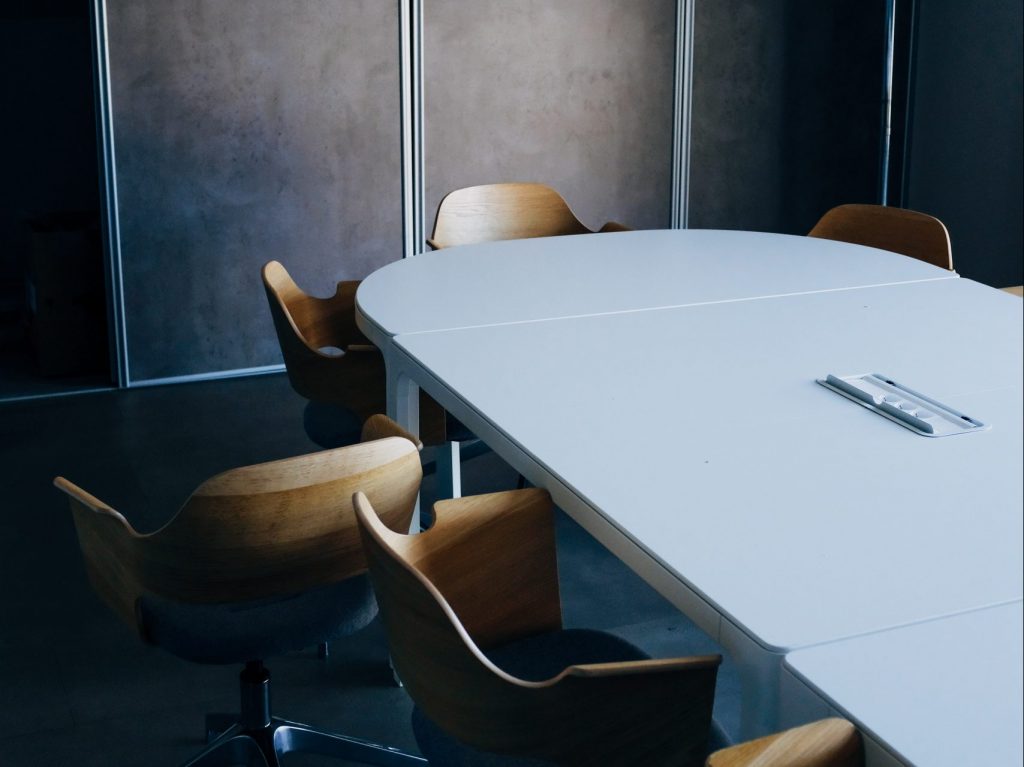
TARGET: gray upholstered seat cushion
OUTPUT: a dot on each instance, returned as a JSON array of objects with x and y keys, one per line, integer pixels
[
  {"x": 242, "y": 631},
  {"x": 534, "y": 659}
]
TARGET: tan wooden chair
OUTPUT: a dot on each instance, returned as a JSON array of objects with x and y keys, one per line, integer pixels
[
  {"x": 331, "y": 363},
  {"x": 826, "y": 743},
  {"x": 473, "y": 617},
  {"x": 505, "y": 212},
  {"x": 260, "y": 560},
  {"x": 913, "y": 234}
]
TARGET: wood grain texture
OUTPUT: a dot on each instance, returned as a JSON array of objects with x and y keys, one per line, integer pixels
[
  {"x": 913, "y": 234},
  {"x": 380, "y": 426},
  {"x": 485, "y": 573},
  {"x": 257, "y": 531},
  {"x": 826, "y": 743},
  {"x": 316, "y": 335},
  {"x": 327, "y": 357},
  {"x": 512, "y": 211}
]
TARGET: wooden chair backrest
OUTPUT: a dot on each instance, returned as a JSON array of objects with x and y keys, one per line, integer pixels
[
  {"x": 502, "y": 212},
  {"x": 315, "y": 322},
  {"x": 826, "y": 743},
  {"x": 254, "y": 532},
  {"x": 305, "y": 325},
  {"x": 462, "y": 585},
  {"x": 913, "y": 234}
]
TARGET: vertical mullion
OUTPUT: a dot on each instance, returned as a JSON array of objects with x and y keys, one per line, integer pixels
[
  {"x": 113, "y": 271},
  {"x": 411, "y": 64},
  {"x": 681, "y": 113},
  {"x": 887, "y": 78}
]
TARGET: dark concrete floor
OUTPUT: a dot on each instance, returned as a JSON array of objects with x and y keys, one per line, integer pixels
[{"x": 76, "y": 685}]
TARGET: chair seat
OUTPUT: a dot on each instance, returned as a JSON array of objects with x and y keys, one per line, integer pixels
[
  {"x": 242, "y": 631},
  {"x": 532, "y": 659},
  {"x": 330, "y": 425}
]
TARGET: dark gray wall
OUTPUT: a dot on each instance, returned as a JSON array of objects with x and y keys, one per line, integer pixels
[
  {"x": 48, "y": 131},
  {"x": 786, "y": 111},
  {"x": 575, "y": 94},
  {"x": 965, "y": 156},
  {"x": 247, "y": 130}
]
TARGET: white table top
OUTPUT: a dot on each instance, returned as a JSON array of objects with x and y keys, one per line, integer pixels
[
  {"x": 952, "y": 687},
  {"x": 700, "y": 434},
  {"x": 555, "y": 277}
]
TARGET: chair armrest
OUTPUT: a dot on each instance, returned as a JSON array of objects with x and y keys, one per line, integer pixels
[
  {"x": 493, "y": 557},
  {"x": 826, "y": 743},
  {"x": 614, "y": 226},
  {"x": 109, "y": 544}
]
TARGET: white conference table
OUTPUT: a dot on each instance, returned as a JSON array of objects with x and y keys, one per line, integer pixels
[
  {"x": 558, "y": 277},
  {"x": 953, "y": 688},
  {"x": 673, "y": 413}
]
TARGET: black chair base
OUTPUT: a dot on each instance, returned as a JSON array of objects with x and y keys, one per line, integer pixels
[{"x": 257, "y": 737}]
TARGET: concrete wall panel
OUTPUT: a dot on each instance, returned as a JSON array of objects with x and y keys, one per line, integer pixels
[
  {"x": 575, "y": 94},
  {"x": 247, "y": 130}
]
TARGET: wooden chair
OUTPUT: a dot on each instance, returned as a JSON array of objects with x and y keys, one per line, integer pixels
[
  {"x": 908, "y": 232},
  {"x": 260, "y": 560},
  {"x": 331, "y": 363},
  {"x": 473, "y": 616},
  {"x": 511, "y": 211},
  {"x": 827, "y": 743},
  {"x": 505, "y": 212}
]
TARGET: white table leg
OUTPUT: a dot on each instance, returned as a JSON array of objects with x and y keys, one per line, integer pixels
[
  {"x": 403, "y": 404},
  {"x": 449, "y": 471},
  {"x": 403, "y": 398}
]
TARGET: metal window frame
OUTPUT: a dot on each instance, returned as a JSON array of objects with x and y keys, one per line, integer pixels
[
  {"x": 886, "y": 118},
  {"x": 681, "y": 114},
  {"x": 410, "y": 20},
  {"x": 411, "y": 46},
  {"x": 110, "y": 224}
]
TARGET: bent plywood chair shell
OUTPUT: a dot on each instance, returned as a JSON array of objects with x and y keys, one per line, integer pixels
[
  {"x": 908, "y": 232},
  {"x": 259, "y": 531},
  {"x": 826, "y": 743},
  {"x": 512, "y": 211},
  {"x": 352, "y": 374},
  {"x": 486, "y": 574}
]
